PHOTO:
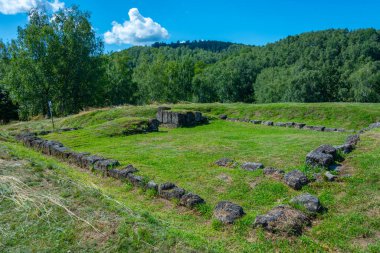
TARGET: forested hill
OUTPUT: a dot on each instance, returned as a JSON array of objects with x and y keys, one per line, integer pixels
[
  {"x": 331, "y": 65},
  {"x": 69, "y": 67},
  {"x": 208, "y": 45}
]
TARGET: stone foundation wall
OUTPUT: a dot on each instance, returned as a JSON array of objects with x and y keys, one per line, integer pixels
[
  {"x": 179, "y": 119},
  {"x": 279, "y": 217},
  {"x": 109, "y": 168},
  {"x": 287, "y": 124}
]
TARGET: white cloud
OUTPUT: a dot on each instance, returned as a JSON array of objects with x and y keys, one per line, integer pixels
[
  {"x": 9, "y": 7},
  {"x": 137, "y": 31}
]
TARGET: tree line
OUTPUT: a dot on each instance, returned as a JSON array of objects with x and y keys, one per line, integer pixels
[{"x": 58, "y": 57}]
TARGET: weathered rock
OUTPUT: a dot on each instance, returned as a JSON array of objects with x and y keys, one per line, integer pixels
[
  {"x": 47, "y": 146},
  {"x": 280, "y": 124},
  {"x": 335, "y": 167},
  {"x": 252, "y": 166},
  {"x": 119, "y": 174},
  {"x": 345, "y": 148},
  {"x": 166, "y": 186},
  {"x": 307, "y": 127},
  {"x": 165, "y": 117},
  {"x": 159, "y": 114},
  {"x": 190, "y": 118},
  {"x": 296, "y": 179},
  {"x": 341, "y": 130},
  {"x": 227, "y": 212},
  {"x": 318, "y": 159},
  {"x": 175, "y": 119},
  {"x": 104, "y": 165},
  {"x": 327, "y": 149},
  {"x": 151, "y": 185},
  {"x": 318, "y": 128},
  {"x": 198, "y": 117},
  {"x": 374, "y": 125},
  {"x": 27, "y": 138},
  {"x": 323, "y": 156},
  {"x": 135, "y": 180},
  {"x": 24, "y": 136},
  {"x": 244, "y": 120},
  {"x": 223, "y": 116},
  {"x": 328, "y": 129},
  {"x": 153, "y": 125},
  {"x": 267, "y": 123},
  {"x": 353, "y": 139},
  {"x": 190, "y": 200},
  {"x": 290, "y": 124},
  {"x": 308, "y": 201},
  {"x": 330, "y": 177},
  {"x": 225, "y": 162},
  {"x": 60, "y": 152},
  {"x": 37, "y": 144},
  {"x": 283, "y": 220},
  {"x": 178, "y": 119},
  {"x": 130, "y": 169},
  {"x": 256, "y": 122},
  {"x": 275, "y": 173},
  {"x": 44, "y": 132},
  {"x": 299, "y": 125},
  {"x": 170, "y": 191},
  {"x": 89, "y": 161},
  {"x": 77, "y": 158}
]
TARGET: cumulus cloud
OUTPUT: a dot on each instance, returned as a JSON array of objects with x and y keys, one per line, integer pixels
[
  {"x": 10, "y": 7},
  {"x": 137, "y": 31}
]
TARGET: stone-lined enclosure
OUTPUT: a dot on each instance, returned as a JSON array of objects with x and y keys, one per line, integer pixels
[
  {"x": 179, "y": 119},
  {"x": 284, "y": 219},
  {"x": 109, "y": 168},
  {"x": 286, "y": 124},
  {"x": 281, "y": 219}
]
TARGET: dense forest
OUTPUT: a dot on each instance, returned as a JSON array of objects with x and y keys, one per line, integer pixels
[{"x": 60, "y": 59}]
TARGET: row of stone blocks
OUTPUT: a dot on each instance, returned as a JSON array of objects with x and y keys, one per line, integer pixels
[
  {"x": 326, "y": 155},
  {"x": 287, "y": 124},
  {"x": 285, "y": 219},
  {"x": 179, "y": 119},
  {"x": 282, "y": 219},
  {"x": 108, "y": 168}
]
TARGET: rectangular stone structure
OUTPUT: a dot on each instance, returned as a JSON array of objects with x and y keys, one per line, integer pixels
[{"x": 180, "y": 119}]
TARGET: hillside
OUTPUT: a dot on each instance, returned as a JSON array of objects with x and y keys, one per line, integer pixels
[
  {"x": 208, "y": 45},
  {"x": 89, "y": 212},
  {"x": 323, "y": 66}
]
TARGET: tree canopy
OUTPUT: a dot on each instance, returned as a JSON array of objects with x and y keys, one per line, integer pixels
[{"x": 57, "y": 57}]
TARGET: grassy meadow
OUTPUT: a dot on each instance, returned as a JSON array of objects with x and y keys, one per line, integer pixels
[{"x": 186, "y": 156}]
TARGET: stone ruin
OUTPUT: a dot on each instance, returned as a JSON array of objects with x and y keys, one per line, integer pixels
[
  {"x": 289, "y": 124},
  {"x": 109, "y": 168},
  {"x": 179, "y": 119},
  {"x": 282, "y": 219}
]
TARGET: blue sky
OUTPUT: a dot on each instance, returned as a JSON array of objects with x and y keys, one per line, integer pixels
[{"x": 243, "y": 21}]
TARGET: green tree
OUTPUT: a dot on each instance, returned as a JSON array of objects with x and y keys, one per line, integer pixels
[
  {"x": 119, "y": 86},
  {"x": 366, "y": 83},
  {"x": 55, "y": 57}
]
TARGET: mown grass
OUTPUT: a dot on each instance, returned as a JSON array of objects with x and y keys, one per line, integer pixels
[{"x": 185, "y": 156}]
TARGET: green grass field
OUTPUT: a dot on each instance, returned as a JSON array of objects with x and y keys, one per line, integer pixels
[{"x": 186, "y": 157}]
